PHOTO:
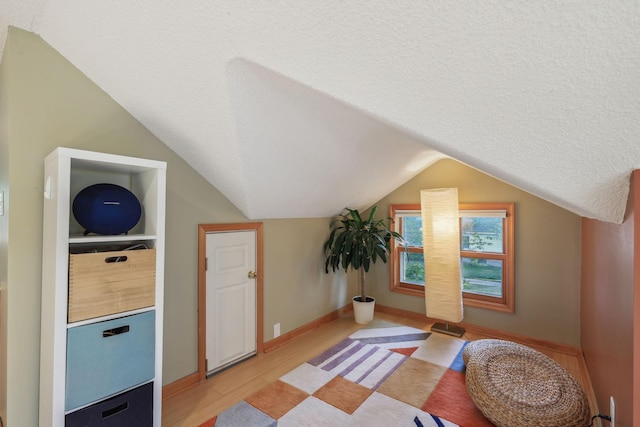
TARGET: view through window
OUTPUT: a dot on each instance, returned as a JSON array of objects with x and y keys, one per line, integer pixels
[{"x": 486, "y": 253}]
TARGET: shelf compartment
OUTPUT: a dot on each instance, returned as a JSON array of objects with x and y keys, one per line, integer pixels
[
  {"x": 105, "y": 358},
  {"x": 131, "y": 408},
  {"x": 141, "y": 181},
  {"x": 105, "y": 283}
]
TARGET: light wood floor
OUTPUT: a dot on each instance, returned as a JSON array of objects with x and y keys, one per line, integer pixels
[{"x": 223, "y": 390}]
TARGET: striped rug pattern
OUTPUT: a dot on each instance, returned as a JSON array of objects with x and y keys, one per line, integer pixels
[
  {"x": 368, "y": 360},
  {"x": 382, "y": 375}
]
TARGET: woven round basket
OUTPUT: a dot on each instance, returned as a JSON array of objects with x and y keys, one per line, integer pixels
[{"x": 514, "y": 385}]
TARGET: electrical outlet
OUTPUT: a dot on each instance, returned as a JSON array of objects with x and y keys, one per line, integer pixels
[
  {"x": 612, "y": 411},
  {"x": 276, "y": 330}
]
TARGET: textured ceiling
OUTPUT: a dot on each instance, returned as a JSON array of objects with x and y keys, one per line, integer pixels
[{"x": 298, "y": 108}]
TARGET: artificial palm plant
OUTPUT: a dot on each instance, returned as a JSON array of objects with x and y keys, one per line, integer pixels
[{"x": 358, "y": 243}]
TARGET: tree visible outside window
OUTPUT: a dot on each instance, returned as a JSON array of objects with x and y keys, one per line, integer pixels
[{"x": 486, "y": 254}]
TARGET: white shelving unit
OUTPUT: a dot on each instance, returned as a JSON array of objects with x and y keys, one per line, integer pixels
[{"x": 67, "y": 172}]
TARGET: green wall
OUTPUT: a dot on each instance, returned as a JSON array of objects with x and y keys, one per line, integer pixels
[
  {"x": 547, "y": 256},
  {"x": 4, "y": 234},
  {"x": 50, "y": 103}
]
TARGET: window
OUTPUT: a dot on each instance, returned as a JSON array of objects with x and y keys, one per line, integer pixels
[{"x": 486, "y": 254}]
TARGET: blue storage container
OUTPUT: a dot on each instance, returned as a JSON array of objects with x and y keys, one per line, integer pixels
[{"x": 105, "y": 358}]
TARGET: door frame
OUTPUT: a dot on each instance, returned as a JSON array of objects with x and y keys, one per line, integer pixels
[{"x": 203, "y": 230}]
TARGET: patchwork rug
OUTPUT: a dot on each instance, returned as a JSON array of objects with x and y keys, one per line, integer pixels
[{"x": 382, "y": 375}]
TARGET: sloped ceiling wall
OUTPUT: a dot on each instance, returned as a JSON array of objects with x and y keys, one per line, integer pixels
[{"x": 300, "y": 108}]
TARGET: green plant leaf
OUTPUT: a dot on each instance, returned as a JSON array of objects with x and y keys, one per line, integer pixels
[{"x": 354, "y": 243}]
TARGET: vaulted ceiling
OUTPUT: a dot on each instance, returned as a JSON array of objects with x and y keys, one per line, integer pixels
[{"x": 299, "y": 108}]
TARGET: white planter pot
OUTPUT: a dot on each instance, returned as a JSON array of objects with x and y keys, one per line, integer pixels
[{"x": 363, "y": 311}]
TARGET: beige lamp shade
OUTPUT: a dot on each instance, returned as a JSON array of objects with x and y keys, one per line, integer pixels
[{"x": 441, "y": 242}]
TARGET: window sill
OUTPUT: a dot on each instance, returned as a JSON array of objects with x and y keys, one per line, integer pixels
[{"x": 505, "y": 305}]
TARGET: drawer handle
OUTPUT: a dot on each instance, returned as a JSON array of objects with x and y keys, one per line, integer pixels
[
  {"x": 115, "y": 331},
  {"x": 112, "y": 259},
  {"x": 113, "y": 411}
]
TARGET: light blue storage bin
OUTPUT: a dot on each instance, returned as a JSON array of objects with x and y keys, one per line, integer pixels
[{"x": 105, "y": 358}]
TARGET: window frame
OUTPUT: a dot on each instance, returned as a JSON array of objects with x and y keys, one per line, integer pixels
[{"x": 506, "y": 303}]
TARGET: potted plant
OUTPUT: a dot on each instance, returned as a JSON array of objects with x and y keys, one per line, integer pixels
[{"x": 357, "y": 243}]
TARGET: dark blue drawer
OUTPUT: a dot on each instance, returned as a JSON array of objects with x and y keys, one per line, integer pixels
[
  {"x": 105, "y": 358},
  {"x": 133, "y": 408}
]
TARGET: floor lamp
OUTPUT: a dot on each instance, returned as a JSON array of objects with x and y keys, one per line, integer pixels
[{"x": 441, "y": 242}]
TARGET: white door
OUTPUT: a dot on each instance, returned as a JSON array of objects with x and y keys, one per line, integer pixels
[{"x": 230, "y": 298}]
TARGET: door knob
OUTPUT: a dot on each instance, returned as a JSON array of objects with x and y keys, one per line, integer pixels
[{"x": 253, "y": 275}]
